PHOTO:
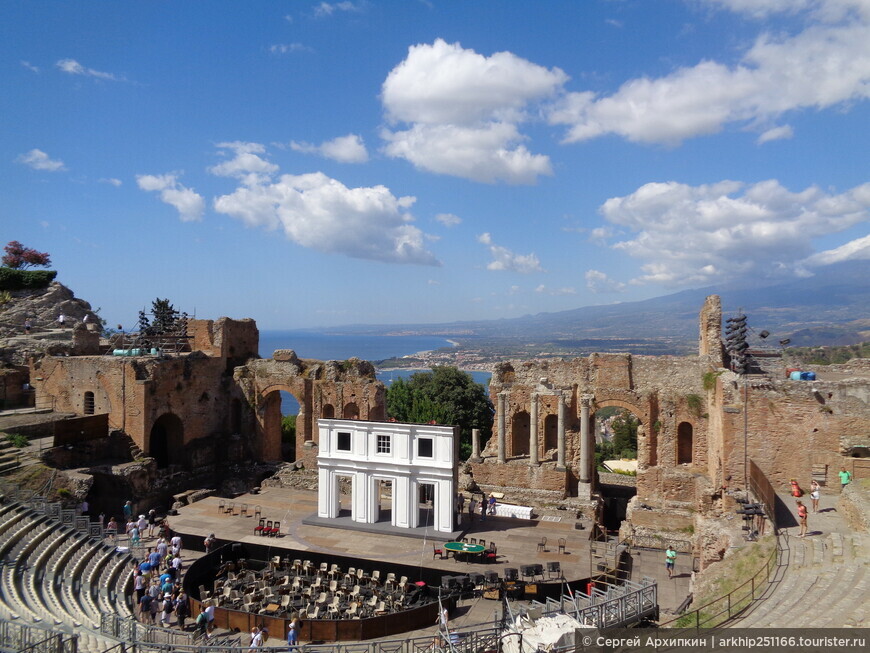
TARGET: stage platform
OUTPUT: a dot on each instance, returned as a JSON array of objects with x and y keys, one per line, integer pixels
[{"x": 516, "y": 539}]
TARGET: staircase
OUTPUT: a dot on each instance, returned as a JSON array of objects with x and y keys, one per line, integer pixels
[
  {"x": 824, "y": 583},
  {"x": 9, "y": 456}
]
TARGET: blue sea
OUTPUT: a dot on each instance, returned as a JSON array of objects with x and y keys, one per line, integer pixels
[{"x": 341, "y": 347}]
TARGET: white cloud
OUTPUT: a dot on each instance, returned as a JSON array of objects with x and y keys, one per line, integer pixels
[
  {"x": 505, "y": 259},
  {"x": 858, "y": 249},
  {"x": 30, "y": 66},
  {"x": 73, "y": 67},
  {"x": 189, "y": 204},
  {"x": 696, "y": 235},
  {"x": 544, "y": 290},
  {"x": 448, "y": 219},
  {"x": 825, "y": 65},
  {"x": 433, "y": 282},
  {"x": 110, "y": 180},
  {"x": 344, "y": 149},
  {"x": 321, "y": 213},
  {"x": 463, "y": 110},
  {"x": 245, "y": 162},
  {"x": 599, "y": 282},
  {"x": 287, "y": 48},
  {"x": 776, "y": 134},
  {"x": 39, "y": 160},
  {"x": 325, "y": 9}
]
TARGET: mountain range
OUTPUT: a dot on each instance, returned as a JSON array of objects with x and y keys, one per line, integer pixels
[{"x": 832, "y": 307}]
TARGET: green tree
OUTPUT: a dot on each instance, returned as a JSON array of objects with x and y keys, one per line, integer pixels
[
  {"x": 288, "y": 430},
  {"x": 625, "y": 435},
  {"x": 445, "y": 395}
]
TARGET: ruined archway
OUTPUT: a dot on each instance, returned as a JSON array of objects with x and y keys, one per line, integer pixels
[
  {"x": 685, "y": 443},
  {"x": 166, "y": 440},
  {"x": 350, "y": 411},
  {"x": 520, "y": 424},
  {"x": 272, "y": 410},
  {"x": 551, "y": 432},
  {"x": 323, "y": 390}
]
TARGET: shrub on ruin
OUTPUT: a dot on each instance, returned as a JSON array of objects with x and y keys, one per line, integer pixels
[{"x": 12, "y": 279}]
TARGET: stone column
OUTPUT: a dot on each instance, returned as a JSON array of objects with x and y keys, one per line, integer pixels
[
  {"x": 560, "y": 433},
  {"x": 585, "y": 443},
  {"x": 475, "y": 445},
  {"x": 502, "y": 409},
  {"x": 533, "y": 432}
]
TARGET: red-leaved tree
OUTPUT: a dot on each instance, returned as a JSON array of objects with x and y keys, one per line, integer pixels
[{"x": 20, "y": 257}]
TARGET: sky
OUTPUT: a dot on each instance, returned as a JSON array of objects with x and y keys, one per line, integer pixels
[{"x": 314, "y": 164}]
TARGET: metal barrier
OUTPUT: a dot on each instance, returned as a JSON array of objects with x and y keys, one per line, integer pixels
[
  {"x": 26, "y": 638},
  {"x": 760, "y": 486},
  {"x": 610, "y": 608},
  {"x": 718, "y": 611}
]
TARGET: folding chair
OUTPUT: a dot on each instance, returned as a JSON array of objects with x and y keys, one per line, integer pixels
[
  {"x": 542, "y": 545},
  {"x": 243, "y": 511},
  {"x": 259, "y": 529}
]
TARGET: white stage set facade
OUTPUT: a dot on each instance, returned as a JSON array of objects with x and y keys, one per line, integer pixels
[{"x": 418, "y": 460}]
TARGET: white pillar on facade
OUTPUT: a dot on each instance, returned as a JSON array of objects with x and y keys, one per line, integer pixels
[
  {"x": 533, "y": 431},
  {"x": 401, "y": 502},
  {"x": 327, "y": 496},
  {"x": 502, "y": 409}
]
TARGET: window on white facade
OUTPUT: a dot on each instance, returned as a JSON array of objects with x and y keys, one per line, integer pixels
[
  {"x": 384, "y": 444},
  {"x": 425, "y": 448},
  {"x": 342, "y": 442}
]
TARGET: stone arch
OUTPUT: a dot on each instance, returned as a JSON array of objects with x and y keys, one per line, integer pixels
[
  {"x": 269, "y": 417},
  {"x": 166, "y": 440},
  {"x": 350, "y": 411},
  {"x": 327, "y": 411},
  {"x": 685, "y": 443},
  {"x": 88, "y": 403},
  {"x": 520, "y": 425},
  {"x": 633, "y": 408},
  {"x": 551, "y": 432}
]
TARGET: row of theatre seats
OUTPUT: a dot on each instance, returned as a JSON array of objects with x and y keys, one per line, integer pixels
[
  {"x": 57, "y": 578},
  {"x": 476, "y": 583},
  {"x": 301, "y": 589}
]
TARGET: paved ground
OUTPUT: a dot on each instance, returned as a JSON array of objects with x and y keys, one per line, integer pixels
[{"x": 517, "y": 541}]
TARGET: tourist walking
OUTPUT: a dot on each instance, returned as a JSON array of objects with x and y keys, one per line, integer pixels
[
  {"x": 209, "y": 542},
  {"x": 28, "y": 325},
  {"x": 472, "y": 507},
  {"x": 256, "y": 639},
  {"x": 670, "y": 560},
  {"x": 152, "y": 522},
  {"x": 181, "y": 609},
  {"x": 293, "y": 634},
  {"x": 128, "y": 511},
  {"x": 802, "y": 518},
  {"x": 483, "y": 508},
  {"x": 61, "y": 320},
  {"x": 815, "y": 495},
  {"x": 845, "y": 478},
  {"x": 168, "y": 607},
  {"x": 144, "y": 603}
]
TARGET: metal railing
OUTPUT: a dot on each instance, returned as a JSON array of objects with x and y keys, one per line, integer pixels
[
  {"x": 26, "y": 638},
  {"x": 610, "y": 608},
  {"x": 718, "y": 611}
]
